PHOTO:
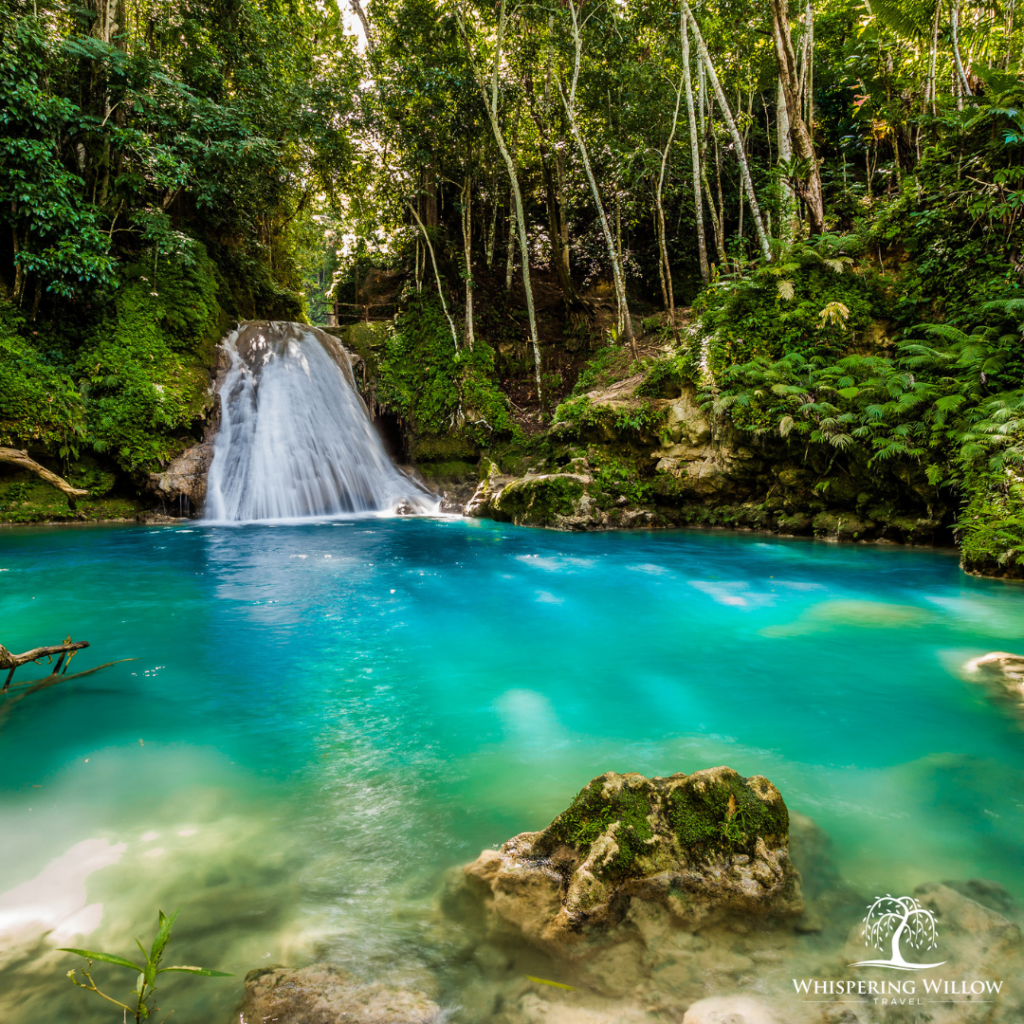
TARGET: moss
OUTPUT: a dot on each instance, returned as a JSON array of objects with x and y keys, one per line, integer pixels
[
  {"x": 538, "y": 502},
  {"x": 450, "y": 469},
  {"x": 444, "y": 447},
  {"x": 592, "y": 813},
  {"x": 727, "y": 813},
  {"x": 25, "y": 498}
]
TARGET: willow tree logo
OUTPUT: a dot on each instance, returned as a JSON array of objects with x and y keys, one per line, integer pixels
[{"x": 892, "y": 920}]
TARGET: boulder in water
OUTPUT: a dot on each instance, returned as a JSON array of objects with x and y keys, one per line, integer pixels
[
  {"x": 633, "y": 859},
  {"x": 324, "y": 994},
  {"x": 1002, "y": 668}
]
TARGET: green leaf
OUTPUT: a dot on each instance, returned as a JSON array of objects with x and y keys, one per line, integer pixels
[
  {"x": 163, "y": 936},
  {"x": 197, "y": 970},
  {"x": 106, "y": 958}
]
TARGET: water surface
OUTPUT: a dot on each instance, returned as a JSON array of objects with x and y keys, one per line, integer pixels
[{"x": 322, "y": 718}]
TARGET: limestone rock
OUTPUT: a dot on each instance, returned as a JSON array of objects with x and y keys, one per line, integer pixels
[
  {"x": 730, "y": 1010},
  {"x": 633, "y": 860},
  {"x": 685, "y": 421},
  {"x": 1006, "y": 670},
  {"x": 183, "y": 482},
  {"x": 324, "y": 994}
]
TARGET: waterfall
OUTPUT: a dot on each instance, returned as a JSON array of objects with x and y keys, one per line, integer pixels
[{"x": 295, "y": 438}]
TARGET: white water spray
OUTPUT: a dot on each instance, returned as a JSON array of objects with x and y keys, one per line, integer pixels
[{"x": 295, "y": 439}]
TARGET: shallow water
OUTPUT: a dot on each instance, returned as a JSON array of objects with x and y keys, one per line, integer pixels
[{"x": 322, "y": 718}]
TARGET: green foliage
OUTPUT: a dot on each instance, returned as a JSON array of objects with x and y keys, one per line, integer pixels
[
  {"x": 591, "y": 814},
  {"x": 811, "y": 299},
  {"x": 144, "y": 370},
  {"x": 39, "y": 401},
  {"x": 147, "y": 971},
  {"x": 433, "y": 386}
]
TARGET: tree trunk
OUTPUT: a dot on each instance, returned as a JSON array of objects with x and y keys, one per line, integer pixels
[
  {"x": 662, "y": 242},
  {"x": 361, "y": 15},
  {"x": 810, "y": 191},
  {"x": 785, "y": 156},
  {"x": 499, "y": 138},
  {"x": 557, "y": 225},
  {"x": 755, "y": 209},
  {"x": 467, "y": 242},
  {"x": 698, "y": 201},
  {"x": 931, "y": 87},
  {"x": 625, "y": 320},
  {"x": 16, "y": 457},
  {"x": 965, "y": 88},
  {"x": 437, "y": 275}
]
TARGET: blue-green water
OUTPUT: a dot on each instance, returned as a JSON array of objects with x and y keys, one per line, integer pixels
[{"x": 322, "y": 718}]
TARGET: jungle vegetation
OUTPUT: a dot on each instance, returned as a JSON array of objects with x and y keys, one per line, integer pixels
[{"x": 817, "y": 208}]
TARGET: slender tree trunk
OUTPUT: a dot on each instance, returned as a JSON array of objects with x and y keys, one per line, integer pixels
[
  {"x": 809, "y": 85},
  {"x": 698, "y": 201},
  {"x": 788, "y": 213},
  {"x": 499, "y": 138},
  {"x": 361, "y": 15},
  {"x": 670, "y": 301},
  {"x": 437, "y": 274},
  {"x": 492, "y": 234},
  {"x": 510, "y": 253},
  {"x": 965, "y": 89},
  {"x": 930, "y": 89},
  {"x": 626, "y": 322},
  {"x": 467, "y": 242},
  {"x": 741, "y": 156},
  {"x": 810, "y": 191}
]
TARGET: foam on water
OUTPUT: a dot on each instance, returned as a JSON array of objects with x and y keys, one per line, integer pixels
[{"x": 295, "y": 439}]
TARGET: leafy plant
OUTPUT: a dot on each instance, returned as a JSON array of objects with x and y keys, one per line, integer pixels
[{"x": 145, "y": 985}]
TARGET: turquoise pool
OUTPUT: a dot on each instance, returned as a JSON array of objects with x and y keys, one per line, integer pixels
[{"x": 321, "y": 718}]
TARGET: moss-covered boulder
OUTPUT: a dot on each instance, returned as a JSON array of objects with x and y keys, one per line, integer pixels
[{"x": 688, "y": 851}]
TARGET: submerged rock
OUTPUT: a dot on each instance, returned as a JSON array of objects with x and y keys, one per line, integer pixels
[
  {"x": 633, "y": 861},
  {"x": 730, "y": 1010},
  {"x": 324, "y": 994},
  {"x": 1006, "y": 670}
]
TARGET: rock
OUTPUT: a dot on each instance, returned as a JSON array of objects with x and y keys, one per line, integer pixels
[
  {"x": 685, "y": 421},
  {"x": 1006, "y": 670},
  {"x": 182, "y": 485},
  {"x": 324, "y": 994},
  {"x": 634, "y": 860},
  {"x": 988, "y": 894},
  {"x": 730, "y": 1010}
]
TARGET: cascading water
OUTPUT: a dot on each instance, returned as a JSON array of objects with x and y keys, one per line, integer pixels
[{"x": 295, "y": 439}]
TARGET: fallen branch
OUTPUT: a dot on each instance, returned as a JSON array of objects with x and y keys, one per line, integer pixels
[
  {"x": 12, "y": 661},
  {"x": 19, "y": 458}
]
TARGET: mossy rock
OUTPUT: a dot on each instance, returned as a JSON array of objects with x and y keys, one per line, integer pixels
[
  {"x": 696, "y": 816},
  {"x": 541, "y": 500},
  {"x": 697, "y": 849}
]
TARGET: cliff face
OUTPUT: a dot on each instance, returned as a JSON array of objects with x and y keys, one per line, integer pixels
[{"x": 619, "y": 460}]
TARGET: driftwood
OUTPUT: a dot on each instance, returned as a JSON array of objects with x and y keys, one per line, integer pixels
[
  {"x": 19, "y": 458},
  {"x": 64, "y": 650}
]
